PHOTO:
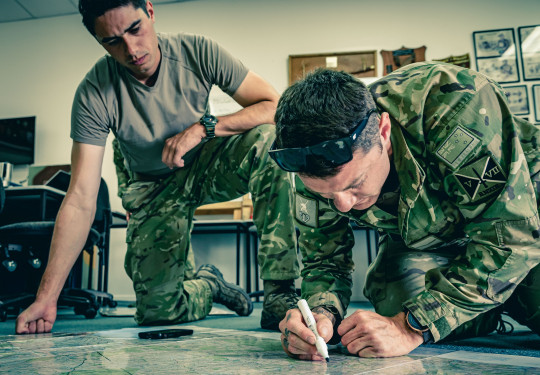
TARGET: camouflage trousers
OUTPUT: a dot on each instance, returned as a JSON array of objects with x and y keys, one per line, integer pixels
[
  {"x": 159, "y": 230},
  {"x": 398, "y": 274}
]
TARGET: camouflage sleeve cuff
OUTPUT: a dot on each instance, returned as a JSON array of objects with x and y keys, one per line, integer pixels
[
  {"x": 432, "y": 313},
  {"x": 327, "y": 299},
  {"x": 332, "y": 313}
]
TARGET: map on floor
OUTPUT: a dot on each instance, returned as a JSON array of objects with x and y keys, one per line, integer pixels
[{"x": 224, "y": 351}]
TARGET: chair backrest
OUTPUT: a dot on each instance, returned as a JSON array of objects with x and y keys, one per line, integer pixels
[
  {"x": 2, "y": 195},
  {"x": 103, "y": 219}
]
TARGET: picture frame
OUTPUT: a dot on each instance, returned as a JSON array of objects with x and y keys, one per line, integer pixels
[
  {"x": 359, "y": 64},
  {"x": 536, "y": 101},
  {"x": 529, "y": 42},
  {"x": 496, "y": 56},
  {"x": 518, "y": 99}
]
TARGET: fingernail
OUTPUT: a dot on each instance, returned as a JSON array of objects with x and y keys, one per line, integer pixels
[
  {"x": 323, "y": 332},
  {"x": 311, "y": 340}
]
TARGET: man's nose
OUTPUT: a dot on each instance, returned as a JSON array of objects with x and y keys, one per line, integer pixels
[
  {"x": 343, "y": 201},
  {"x": 130, "y": 45}
]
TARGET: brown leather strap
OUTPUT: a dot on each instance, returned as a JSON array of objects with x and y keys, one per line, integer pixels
[{"x": 393, "y": 60}]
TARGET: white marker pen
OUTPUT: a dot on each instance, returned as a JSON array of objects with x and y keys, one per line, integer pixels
[{"x": 310, "y": 321}]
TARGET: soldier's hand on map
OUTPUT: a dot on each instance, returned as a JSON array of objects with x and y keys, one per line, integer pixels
[
  {"x": 297, "y": 339},
  {"x": 39, "y": 317},
  {"x": 368, "y": 334},
  {"x": 177, "y": 146}
]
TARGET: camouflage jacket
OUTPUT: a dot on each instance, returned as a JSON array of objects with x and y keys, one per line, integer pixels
[{"x": 468, "y": 171}]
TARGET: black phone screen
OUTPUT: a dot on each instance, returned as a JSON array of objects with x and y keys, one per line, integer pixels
[{"x": 165, "y": 333}]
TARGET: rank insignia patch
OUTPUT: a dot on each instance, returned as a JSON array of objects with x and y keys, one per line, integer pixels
[
  {"x": 457, "y": 146},
  {"x": 306, "y": 211},
  {"x": 481, "y": 178}
]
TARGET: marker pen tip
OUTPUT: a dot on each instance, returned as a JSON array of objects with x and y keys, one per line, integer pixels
[{"x": 327, "y": 360}]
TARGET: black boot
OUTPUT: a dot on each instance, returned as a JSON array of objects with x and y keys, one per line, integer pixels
[
  {"x": 279, "y": 297},
  {"x": 230, "y": 295}
]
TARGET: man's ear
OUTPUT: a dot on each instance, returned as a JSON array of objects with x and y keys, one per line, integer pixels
[
  {"x": 384, "y": 128},
  {"x": 150, "y": 10}
]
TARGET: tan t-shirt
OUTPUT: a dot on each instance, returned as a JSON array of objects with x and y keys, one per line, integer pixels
[{"x": 143, "y": 117}]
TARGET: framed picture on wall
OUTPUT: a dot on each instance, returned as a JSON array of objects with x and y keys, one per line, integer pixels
[
  {"x": 359, "y": 64},
  {"x": 496, "y": 55},
  {"x": 529, "y": 42},
  {"x": 536, "y": 101},
  {"x": 518, "y": 99}
]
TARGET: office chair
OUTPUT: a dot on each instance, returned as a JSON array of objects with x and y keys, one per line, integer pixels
[{"x": 24, "y": 248}]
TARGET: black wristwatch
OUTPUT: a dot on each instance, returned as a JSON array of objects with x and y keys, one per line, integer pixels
[
  {"x": 209, "y": 122},
  {"x": 415, "y": 325}
]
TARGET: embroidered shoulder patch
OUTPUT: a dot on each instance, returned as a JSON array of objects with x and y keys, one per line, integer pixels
[
  {"x": 307, "y": 211},
  {"x": 481, "y": 179},
  {"x": 457, "y": 146}
]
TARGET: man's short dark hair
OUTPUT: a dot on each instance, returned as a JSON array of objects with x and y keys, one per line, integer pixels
[
  {"x": 92, "y": 9},
  {"x": 325, "y": 105}
]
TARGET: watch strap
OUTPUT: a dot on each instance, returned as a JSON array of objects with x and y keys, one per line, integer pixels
[{"x": 209, "y": 122}]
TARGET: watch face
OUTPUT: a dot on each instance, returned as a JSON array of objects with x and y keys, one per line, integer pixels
[
  {"x": 413, "y": 323},
  {"x": 209, "y": 119}
]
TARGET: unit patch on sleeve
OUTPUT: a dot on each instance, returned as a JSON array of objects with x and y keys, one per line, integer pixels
[
  {"x": 481, "y": 179},
  {"x": 457, "y": 146},
  {"x": 307, "y": 211}
]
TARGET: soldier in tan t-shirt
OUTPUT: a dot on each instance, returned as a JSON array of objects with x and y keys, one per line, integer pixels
[{"x": 151, "y": 91}]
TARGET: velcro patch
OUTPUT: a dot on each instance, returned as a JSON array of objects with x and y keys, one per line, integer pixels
[
  {"x": 307, "y": 211},
  {"x": 481, "y": 179},
  {"x": 457, "y": 146}
]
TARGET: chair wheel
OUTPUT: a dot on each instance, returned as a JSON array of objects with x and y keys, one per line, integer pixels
[
  {"x": 112, "y": 303},
  {"x": 3, "y": 315},
  {"x": 90, "y": 313}
]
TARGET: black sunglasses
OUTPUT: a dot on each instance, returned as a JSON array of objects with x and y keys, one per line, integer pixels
[{"x": 335, "y": 152}]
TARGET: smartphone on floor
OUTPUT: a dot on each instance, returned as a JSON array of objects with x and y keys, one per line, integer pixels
[{"x": 165, "y": 333}]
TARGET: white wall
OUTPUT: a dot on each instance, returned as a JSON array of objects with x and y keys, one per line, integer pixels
[{"x": 44, "y": 60}]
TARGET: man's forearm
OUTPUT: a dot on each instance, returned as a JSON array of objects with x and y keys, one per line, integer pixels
[
  {"x": 70, "y": 233},
  {"x": 246, "y": 119}
]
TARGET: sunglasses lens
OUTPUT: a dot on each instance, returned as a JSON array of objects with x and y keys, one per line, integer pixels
[
  {"x": 335, "y": 153},
  {"x": 290, "y": 160}
]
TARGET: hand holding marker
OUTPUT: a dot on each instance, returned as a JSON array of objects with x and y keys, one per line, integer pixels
[{"x": 310, "y": 321}]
